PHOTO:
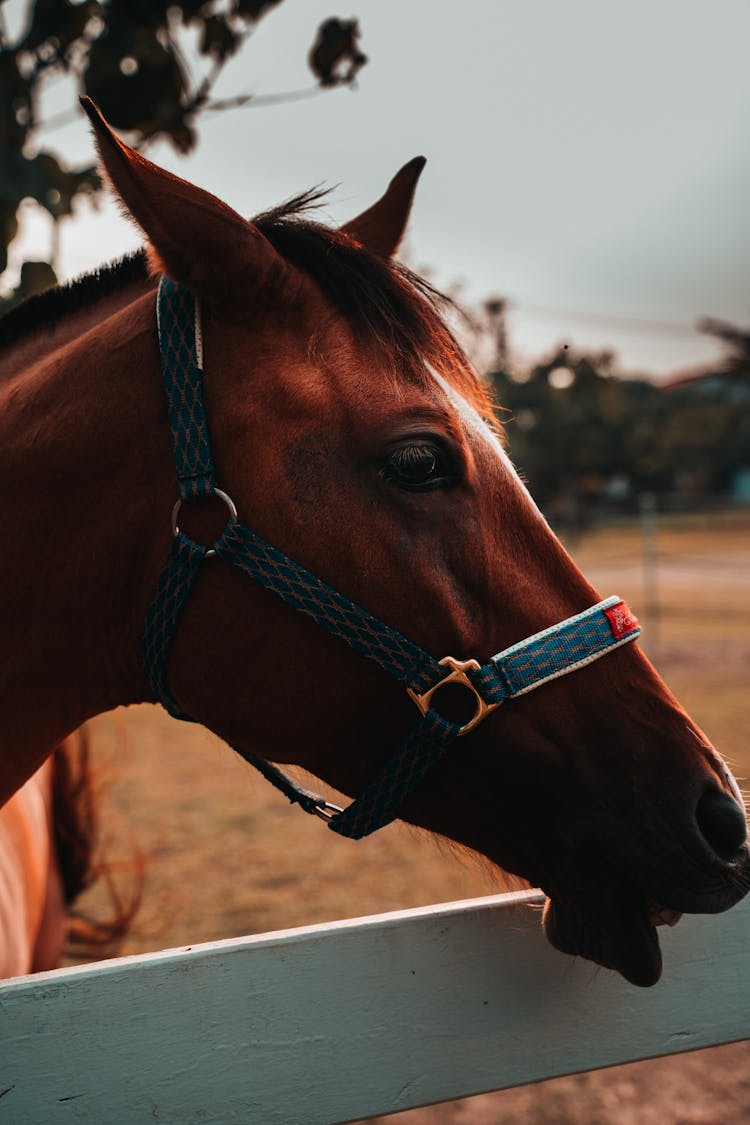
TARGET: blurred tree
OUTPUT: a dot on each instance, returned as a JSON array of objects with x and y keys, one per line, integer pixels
[
  {"x": 127, "y": 56},
  {"x": 584, "y": 439},
  {"x": 567, "y": 423},
  {"x": 736, "y": 340}
]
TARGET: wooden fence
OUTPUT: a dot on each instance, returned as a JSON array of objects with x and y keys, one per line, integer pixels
[{"x": 329, "y": 1023}]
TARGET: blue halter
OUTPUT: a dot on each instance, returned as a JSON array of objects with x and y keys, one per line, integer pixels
[{"x": 519, "y": 669}]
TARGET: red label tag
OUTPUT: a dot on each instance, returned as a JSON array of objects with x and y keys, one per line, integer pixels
[{"x": 621, "y": 620}]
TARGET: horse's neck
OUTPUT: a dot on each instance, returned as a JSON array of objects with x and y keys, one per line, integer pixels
[
  {"x": 35, "y": 346},
  {"x": 84, "y": 468}
]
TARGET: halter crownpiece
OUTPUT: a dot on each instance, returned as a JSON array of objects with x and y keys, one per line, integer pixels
[{"x": 524, "y": 666}]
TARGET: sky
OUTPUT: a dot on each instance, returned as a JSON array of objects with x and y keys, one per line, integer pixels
[{"x": 587, "y": 160}]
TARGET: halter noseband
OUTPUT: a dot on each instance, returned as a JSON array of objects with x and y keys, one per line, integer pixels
[{"x": 554, "y": 652}]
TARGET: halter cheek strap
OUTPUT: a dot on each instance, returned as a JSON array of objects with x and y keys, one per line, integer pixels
[{"x": 553, "y": 652}]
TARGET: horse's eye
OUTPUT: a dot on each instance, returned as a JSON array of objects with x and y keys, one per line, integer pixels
[{"x": 417, "y": 467}]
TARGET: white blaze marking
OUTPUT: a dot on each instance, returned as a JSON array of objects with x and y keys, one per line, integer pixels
[
  {"x": 469, "y": 416},
  {"x": 475, "y": 423}
]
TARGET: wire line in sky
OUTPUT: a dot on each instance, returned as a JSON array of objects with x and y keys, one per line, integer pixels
[{"x": 633, "y": 325}]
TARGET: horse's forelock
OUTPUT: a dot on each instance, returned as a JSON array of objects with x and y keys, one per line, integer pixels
[{"x": 382, "y": 299}]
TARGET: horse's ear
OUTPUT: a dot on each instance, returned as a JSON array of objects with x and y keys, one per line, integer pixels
[
  {"x": 193, "y": 236},
  {"x": 381, "y": 227}
]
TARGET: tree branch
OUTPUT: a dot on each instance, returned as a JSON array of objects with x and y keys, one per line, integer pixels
[{"x": 240, "y": 101}]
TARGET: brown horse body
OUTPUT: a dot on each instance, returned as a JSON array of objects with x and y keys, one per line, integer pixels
[
  {"x": 351, "y": 434},
  {"x": 47, "y": 836},
  {"x": 32, "y": 912}
]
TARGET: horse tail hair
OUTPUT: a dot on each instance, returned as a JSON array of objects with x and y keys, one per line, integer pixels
[{"x": 77, "y": 845}]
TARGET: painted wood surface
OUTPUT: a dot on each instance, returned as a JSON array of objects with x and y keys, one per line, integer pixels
[{"x": 327, "y": 1023}]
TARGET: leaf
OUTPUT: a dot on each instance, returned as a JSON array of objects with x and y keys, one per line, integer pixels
[
  {"x": 8, "y": 231},
  {"x": 254, "y": 10},
  {"x": 60, "y": 186},
  {"x": 15, "y": 106},
  {"x": 43, "y": 178},
  {"x": 20, "y": 178},
  {"x": 335, "y": 58},
  {"x": 47, "y": 17},
  {"x": 218, "y": 39},
  {"x": 191, "y": 10}
]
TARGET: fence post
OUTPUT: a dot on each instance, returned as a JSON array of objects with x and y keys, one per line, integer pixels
[{"x": 649, "y": 511}]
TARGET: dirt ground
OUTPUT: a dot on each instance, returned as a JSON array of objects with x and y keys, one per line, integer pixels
[{"x": 227, "y": 856}]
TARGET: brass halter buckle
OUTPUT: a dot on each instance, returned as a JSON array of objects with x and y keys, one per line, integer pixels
[{"x": 457, "y": 675}]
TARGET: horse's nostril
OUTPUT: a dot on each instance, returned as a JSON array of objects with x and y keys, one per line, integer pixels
[{"x": 722, "y": 822}]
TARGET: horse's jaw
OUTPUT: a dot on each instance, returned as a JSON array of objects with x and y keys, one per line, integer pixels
[
  {"x": 614, "y": 923},
  {"x": 614, "y": 930}
]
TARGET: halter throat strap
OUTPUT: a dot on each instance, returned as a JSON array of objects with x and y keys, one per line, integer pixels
[{"x": 546, "y": 655}]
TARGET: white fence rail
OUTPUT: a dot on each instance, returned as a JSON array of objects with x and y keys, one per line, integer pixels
[{"x": 328, "y": 1023}]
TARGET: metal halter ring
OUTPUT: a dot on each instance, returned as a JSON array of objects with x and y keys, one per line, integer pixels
[
  {"x": 227, "y": 500},
  {"x": 325, "y": 810},
  {"x": 457, "y": 675}
]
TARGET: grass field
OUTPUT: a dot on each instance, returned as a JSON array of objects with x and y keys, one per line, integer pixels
[{"x": 228, "y": 856}]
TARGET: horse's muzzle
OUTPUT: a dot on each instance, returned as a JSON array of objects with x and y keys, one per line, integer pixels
[{"x": 721, "y": 822}]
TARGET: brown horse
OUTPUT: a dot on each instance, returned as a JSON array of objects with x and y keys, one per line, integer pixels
[
  {"x": 352, "y": 434},
  {"x": 47, "y": 837},
  {"x": 32, "y": 910}
]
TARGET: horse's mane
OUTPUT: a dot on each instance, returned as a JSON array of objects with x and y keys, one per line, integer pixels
[
  {"x": 382, "y": 299},
  {"x": 51, "y": 305}
]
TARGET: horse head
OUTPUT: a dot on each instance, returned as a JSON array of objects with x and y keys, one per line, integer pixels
[{"x": 351, "y": 433}]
